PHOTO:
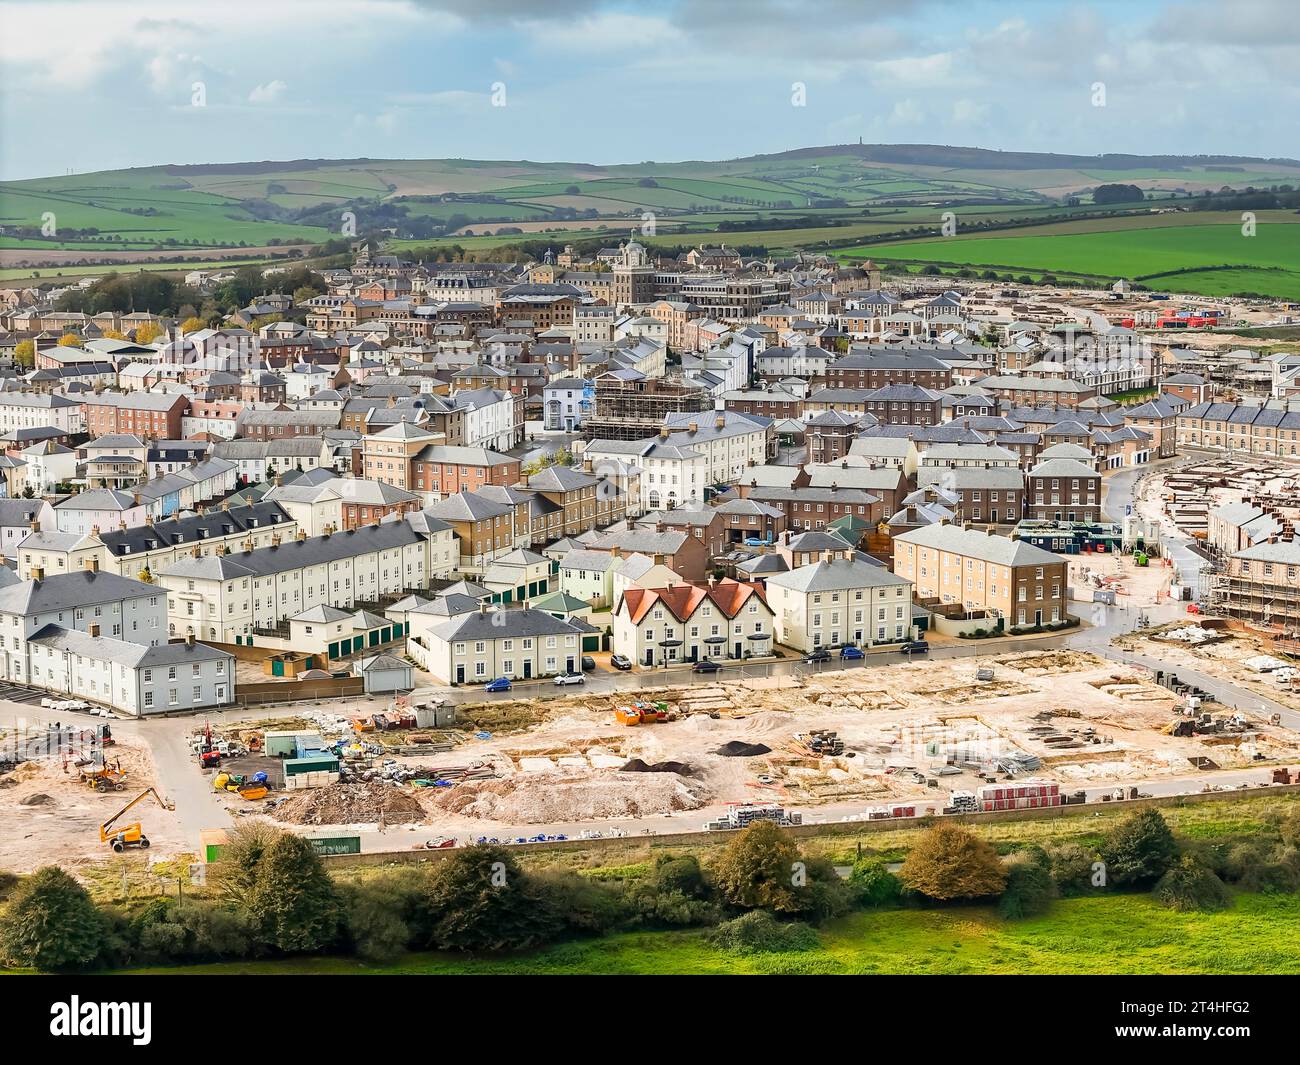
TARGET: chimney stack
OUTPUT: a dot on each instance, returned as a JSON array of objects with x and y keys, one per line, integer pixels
[
  {"x": 94, "y": 630},
  {"x": 36, "y": 526},
  {"x": 92, "y": 565},
  {"x": 38, "y": 573},
  {"x": 189, "y": 639},
  {"x": 136, "y": 497}
]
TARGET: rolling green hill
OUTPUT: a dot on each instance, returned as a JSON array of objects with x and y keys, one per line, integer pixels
[{"x": 303, "y": 201}]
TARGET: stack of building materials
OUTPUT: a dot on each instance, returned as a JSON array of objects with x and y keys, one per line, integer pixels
[{"x": 1021, "y": 795}]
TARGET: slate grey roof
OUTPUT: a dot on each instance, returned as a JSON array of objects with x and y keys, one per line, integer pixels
[
  {"x": 974, "y": 543},
  {"x": 505, "y": 624},
  {"x": 63, "y": 591},
  {"x": 836, "y": 575},
  {"x": 132, "y": 655},
  {"x": 1063, "y": 468},
  {"x": 194, "y": 528},
  {"x": 1285, "y": 551},
  {"x": 582, "y": 559},
  {"x": 19, "y": 511},
  {"x": 293, "y": 554}
]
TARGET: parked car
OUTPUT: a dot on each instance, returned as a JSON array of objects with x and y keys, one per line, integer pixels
[
  {"x": 915, "y": 647},
  {"x": 819, "y": 655},
  {"x": 705, "y": 665},
  {"x": 620, "y": 662},
  {"x": 570, "y": 678},
  {"x": 849, "y": 651},
  {"x": 588, "y": 664},
  {"x": 501, "y": 684}
]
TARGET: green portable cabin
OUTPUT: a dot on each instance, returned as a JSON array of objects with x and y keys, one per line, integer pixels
[
  {"x": 336, "y": 844},
  {"x": 286, "y": 744},
  {"x": 316, "y": 762}
]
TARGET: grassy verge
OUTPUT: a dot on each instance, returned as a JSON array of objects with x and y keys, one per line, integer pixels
[{"x": 1115, "y": 934}]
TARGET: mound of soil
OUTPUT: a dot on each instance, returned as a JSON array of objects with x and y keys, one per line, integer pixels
[
  {"x": 740, "y": 749},
  {"x": 351, "y": 804},
  {"x": 636, "y": 765},
  {"x": 38, "y": 798},
  {"x": 550, "y": 798}
]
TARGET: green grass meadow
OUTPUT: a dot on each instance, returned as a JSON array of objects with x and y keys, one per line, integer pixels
[{"x": 1106, "y": 935}]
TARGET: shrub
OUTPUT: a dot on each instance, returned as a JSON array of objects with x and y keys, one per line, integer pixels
[
  {"x": 8, "y": 881},
  {"x": 1030, "y": 888},
  {"x": 1071, "y": 867},
  {"x": 1278, "y": 874},
  {"x": 1139, "y": 850},
  {"x": 50, "y": 924},
  {"x": 293, "y": 903},
  {"x": 674, "y": 893},
  {"x": 376, "y": 915},
  {"x": 1189, "y": 887},
  {"x": 234, "y": 874},
  {"x": 756, "y": 870},
  {"x": 759, "y": 932},
  {"x": 479, "y": 899},
  {"x": 952, "y": 862},
  {"x": 584, "y": 905},
  {"x": 873, "y": 884}
]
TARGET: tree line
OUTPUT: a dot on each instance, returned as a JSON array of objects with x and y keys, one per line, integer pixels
[{"x": 270, "y": 895}]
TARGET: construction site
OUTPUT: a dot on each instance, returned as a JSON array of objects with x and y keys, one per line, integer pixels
[
  {"x": 65, "y": 794},
  {"x": 1184, "y": 497},
  {"x": 909, "y": 740},
  {"x": 1013, "y": 730}
]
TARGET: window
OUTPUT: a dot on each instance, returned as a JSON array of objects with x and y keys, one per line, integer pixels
[{"x": 148, "y": 697}]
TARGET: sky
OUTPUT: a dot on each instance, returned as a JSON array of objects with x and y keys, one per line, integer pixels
[{"x": 90, "y": 85}]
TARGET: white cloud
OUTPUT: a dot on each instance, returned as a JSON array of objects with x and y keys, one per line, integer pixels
[
  {"x": 906, "y": 113},
  {"x": 268, "y": 93}
]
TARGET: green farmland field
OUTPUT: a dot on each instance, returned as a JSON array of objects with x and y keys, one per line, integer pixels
[
  {"x": 1115, "y": 934},
  {"x": 1161, "y": 256}
]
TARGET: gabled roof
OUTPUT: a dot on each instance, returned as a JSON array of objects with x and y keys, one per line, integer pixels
[{"x": 682, "y": 600}]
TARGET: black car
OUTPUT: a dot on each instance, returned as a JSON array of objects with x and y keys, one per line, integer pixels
[
  {"x": 588, "y": 664},
  {"x": 705, "y": 665},
  {"x": 820, "y": 655},
  {"x": 620, "y": 662},
  {"x": 915, "y": 647}
]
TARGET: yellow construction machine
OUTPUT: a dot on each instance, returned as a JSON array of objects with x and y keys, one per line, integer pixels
[{"x": 131, "y": 835}]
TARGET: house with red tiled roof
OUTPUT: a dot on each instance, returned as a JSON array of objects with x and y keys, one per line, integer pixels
[{"x": 687, "y": 622}]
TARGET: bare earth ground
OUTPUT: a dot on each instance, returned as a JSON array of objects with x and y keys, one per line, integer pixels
[
  {"x": 64, "y": 826},
  {"x": 563, "y": 771}
]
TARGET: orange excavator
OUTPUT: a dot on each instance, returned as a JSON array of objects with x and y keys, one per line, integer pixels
[{"x": 130, "y": 835}]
